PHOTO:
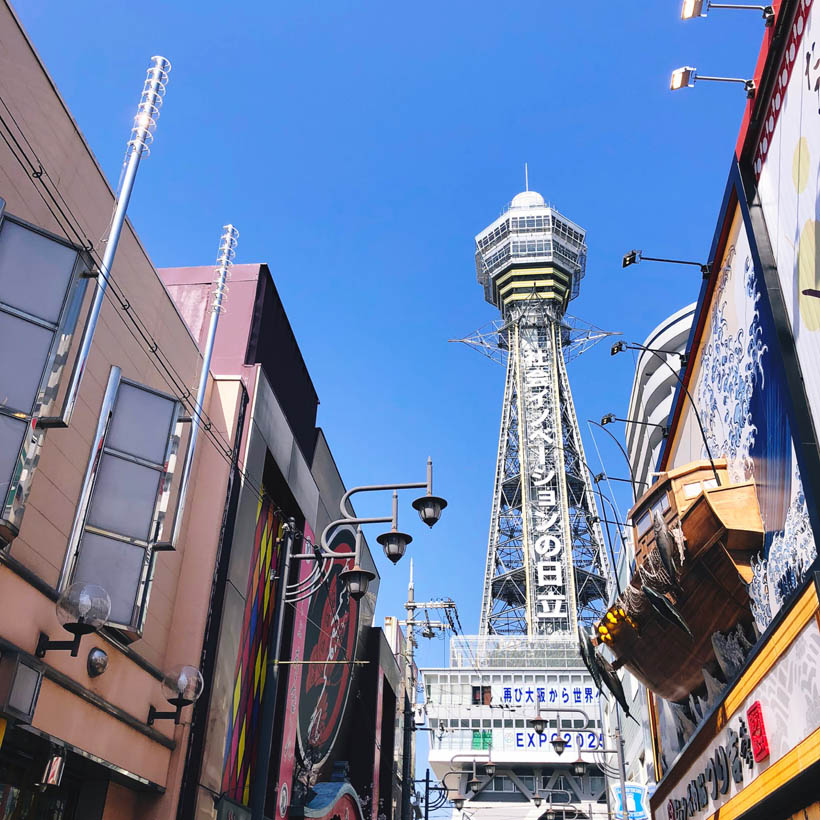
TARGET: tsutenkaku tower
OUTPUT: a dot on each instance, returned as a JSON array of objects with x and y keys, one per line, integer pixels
[{"x": 546, "y": 565}]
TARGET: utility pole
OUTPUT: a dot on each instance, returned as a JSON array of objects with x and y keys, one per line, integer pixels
[{"x": 411, "y": 605}]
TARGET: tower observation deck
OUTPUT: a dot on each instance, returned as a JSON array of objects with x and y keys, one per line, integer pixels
[{"x": 546, "y": 565}]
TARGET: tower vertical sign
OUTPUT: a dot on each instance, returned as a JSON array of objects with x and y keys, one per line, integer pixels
[{"x": 544, "y": 507}]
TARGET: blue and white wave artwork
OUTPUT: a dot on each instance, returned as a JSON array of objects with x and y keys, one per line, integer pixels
[{"x": 741, "y": 396}]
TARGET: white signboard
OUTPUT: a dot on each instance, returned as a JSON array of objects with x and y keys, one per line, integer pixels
[
  {"x": 787, "y": 162},
  {"x": 780, "y": 713},
  {"x": 547, "y": 528}
]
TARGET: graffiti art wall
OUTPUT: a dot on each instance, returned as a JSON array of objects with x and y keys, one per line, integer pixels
[{"x": 251, "y": 664}]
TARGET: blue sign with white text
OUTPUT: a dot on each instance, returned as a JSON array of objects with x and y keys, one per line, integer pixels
[{"x": 637, "y": 802}]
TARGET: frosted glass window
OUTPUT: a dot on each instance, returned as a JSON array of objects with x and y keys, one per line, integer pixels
[
  {"x": 117, "y": 567},
  {"x": 11, "y": 437},
  {"x": 23, "y": 352},
  {"x": 34, "y": 271},
  {"x": 124, "y": 497},
  {"x": 24, "y": 689},
  {"x": 141, "y": 423}
]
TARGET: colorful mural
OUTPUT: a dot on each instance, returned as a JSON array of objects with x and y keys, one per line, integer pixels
[{"x": 251, "y": 664}]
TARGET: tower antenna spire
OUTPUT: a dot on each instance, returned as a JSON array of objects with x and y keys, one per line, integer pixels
[{"x": 526, "y": 177}]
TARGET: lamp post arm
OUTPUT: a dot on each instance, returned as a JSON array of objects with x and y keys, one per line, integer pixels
[
  {"x": 626, "y": 457},
  {"x": 691, "y": 402},
  {"x": 374, "y": 488}
]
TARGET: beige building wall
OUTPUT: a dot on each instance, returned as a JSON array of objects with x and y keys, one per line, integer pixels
[{"x": 108, "y": 721}]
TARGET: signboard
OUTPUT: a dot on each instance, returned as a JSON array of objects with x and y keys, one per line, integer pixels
[
  {"x": 787, "y": 162},
  {"x": 637, "y": 802},
  {"x": 571, "y": 694},
  {"x": 777, "y": 715},
  {"x": 546, "y": 525}
]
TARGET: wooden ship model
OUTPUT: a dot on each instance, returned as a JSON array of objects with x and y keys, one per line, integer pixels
[{"x": 694, "y": 535}]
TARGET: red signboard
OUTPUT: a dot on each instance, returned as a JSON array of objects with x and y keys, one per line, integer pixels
[{"x": 760, "y": 743}]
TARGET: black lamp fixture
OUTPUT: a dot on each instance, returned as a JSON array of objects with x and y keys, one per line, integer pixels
[
  {"x": 700, "y": 8},
  {"x": 429, "y": 506},
  {"x": 458, "y": 803},
  {"x": 537, "y": 799},
  {"x": 357, "y": 579},
  {"x": 81, "y": 610},
  {"x": 550, "y": 814},
  {"x": 686, "y": 76},
  {"x": 489, "y": 769},
  {"x": 558, "y": 743},
  {"x": 633, "y": 257},
  {"x": 578, "y": 768},
  {"x": 538, "y": 723},
  {"x": 394, "y": 542},
  {"x": 474, "y": 784},
  {"x": 182, "y": 686}
]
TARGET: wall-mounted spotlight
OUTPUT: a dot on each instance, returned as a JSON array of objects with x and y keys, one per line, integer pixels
[
  {"x": 633, "y": 257},
  {"x": 700, "y": 8},
  {"x": 686, "y": 76},
  {"x": 81, "y": 610},
  {"x": 811, "y": 292}
]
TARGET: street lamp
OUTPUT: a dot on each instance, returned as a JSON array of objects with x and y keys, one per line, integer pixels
[
  {"x": 611, "y": 418},
  {"x": 558, "y": 743},
  {"x": 633, "y": 257},
  {"x": 686, "y": 76},
  {"x": 619, "y": 347},
  {"x": 81, "y": 610},
  {"x": 700, "y": 8},
  {"x": 537, "y": 800},
  {"x": 489, "y": 769},
  {"x": 458, "y": 803},
  {"x": 394, "y": 542}
]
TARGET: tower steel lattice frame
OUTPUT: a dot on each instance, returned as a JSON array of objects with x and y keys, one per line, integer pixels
[{"x": 546, "y": 564}]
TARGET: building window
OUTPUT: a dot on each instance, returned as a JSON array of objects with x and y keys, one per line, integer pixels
[
  {"x": 41, "y": 292},
  {"x": 482, "y": 695},
  {"x": 124, "y": 498},
  {"x": 482, "y": 739}
]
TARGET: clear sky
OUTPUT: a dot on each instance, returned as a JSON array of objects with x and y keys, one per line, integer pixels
[{"x": 359, "y": 146}]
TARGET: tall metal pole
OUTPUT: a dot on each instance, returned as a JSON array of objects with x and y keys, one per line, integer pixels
[
  {"x": 141, "y": 137},
  {"x": 427, "y": 795},
  {"x": 409, "y": 700},
  {"x": 224, "y": 262},
  {"x": 619, "y": 747},
  {"x": 259, "y": 782}
]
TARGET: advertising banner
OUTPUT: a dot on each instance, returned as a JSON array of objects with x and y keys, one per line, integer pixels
[{"x": 787, "y": 163}]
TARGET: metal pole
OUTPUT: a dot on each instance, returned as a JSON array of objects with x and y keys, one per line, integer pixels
[
  {"x": 227, "y": 251},
  {"x": 141, "y": 136},
  {"x": 427, "y": 795},
  {"x": 259, "y": 783},
  {"x": 619, "y": 747},
  {"x": 410, "y": 696}
]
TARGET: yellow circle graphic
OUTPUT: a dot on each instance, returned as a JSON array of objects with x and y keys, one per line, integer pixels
[
  {"x": 808, "y": 274},
  {"x": 800, "y": 165}
]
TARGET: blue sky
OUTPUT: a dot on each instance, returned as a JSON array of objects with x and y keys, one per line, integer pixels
[{"x": 360, "y": 146}]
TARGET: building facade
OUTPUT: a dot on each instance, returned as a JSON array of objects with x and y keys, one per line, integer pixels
[
  {"x": 90, "y": 456},
  {"x": 653, "y": 390},
  {"x": 740, "y": 737}
]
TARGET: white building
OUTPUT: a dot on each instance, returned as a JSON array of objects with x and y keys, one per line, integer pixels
[
  {"x": 652, "y": 392},
  {"x": 478, "y": 711}
]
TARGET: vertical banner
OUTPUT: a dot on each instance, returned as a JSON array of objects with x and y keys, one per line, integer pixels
[{"x": 251, "y": 663}]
